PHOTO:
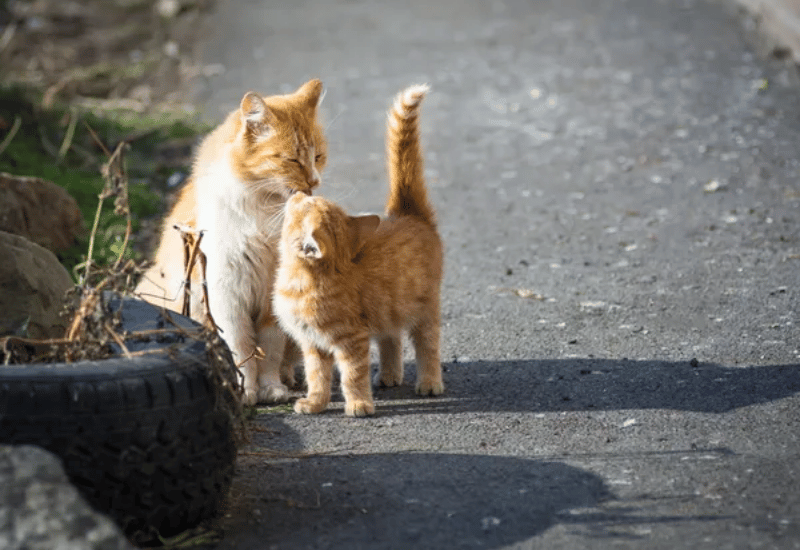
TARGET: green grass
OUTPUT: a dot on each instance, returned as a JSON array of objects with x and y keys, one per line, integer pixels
[{"x": 34, "y": 151}]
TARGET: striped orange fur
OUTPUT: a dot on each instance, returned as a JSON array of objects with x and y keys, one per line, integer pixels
[{"x": 343, "y": 280}]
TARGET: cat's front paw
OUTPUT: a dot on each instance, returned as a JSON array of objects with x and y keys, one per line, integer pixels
[
  {"x": 388, "y": 380},
  {"x": 273, "y": 393},
  {"x": 250, "y": 397},
  {"x": 309, "y": 406},
  {"x": 359, "y": 408},
  {"x": 430, "y": 387}
]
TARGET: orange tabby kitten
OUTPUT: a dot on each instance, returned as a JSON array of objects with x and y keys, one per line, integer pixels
[
  {"x": 245, "y": 170},
  {"x": 343, "y": 279}
]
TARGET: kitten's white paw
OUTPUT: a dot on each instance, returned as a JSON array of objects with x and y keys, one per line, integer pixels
[
  {"x": 250, "y": 397},
  {"x": 430, "y": 387},
  {"x": 307, "y": 406},
  {"x": 273, "y": 393},
  {"x": 359, "y": 408}
]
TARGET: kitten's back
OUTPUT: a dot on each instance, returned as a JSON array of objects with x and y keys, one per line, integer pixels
[{"x": 407, "y": 195}]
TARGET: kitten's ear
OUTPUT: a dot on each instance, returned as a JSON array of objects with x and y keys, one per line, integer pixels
[
  {"x": 361, "y": 229},
  {"x": 312, "y": 93},
  {"x": 256, "y": 115}
]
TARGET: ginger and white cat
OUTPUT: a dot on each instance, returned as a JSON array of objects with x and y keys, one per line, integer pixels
[
  {"x": 244, "y": 171},
  {"x": 342, "y": 280}
]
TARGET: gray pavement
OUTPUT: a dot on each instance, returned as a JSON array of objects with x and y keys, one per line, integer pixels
[{"x": 618, "y": 186}]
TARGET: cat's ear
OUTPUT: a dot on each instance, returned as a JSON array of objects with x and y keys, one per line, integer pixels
[
  {"x": 361, "y": 229},
  {"x": 311, "y": 248},
  {"x": 311, "y": 93},
  {"x": 256, "y": 115}
]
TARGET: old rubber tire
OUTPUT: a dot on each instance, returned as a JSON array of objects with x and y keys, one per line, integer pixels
[{"x": 141, "y": 438}]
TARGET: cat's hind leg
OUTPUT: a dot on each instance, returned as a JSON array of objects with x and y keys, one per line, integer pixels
[
  {"x": 318, "y": 366},
  {"x": 291, "y": 357},
  {"x": 272, "y": 342},
  {"x": 353, "y": 363},
  {"x": 425, "y": 336},
  {"x": 391, "y": 368}
]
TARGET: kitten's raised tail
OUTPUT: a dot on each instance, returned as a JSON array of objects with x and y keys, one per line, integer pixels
[{"x": 407, "y": 195}]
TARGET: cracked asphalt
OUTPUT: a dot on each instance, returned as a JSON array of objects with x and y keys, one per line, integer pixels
[{"x": 618, "y": 188}]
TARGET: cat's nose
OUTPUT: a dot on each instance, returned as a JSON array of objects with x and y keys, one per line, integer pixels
[{"x": 314, "y": 178}]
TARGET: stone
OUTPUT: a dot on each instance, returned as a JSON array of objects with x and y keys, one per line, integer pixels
[
  {"x": 32, "y": 288},
  {"x": 778, "y": 21},
  {"x": 39, "y": 210},
  {"x": 41, "y": 510}
]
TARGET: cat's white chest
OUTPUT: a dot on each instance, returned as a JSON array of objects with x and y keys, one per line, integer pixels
[
  {"x": 227, "y": 227},
  {"x": 222, "y": 214}
]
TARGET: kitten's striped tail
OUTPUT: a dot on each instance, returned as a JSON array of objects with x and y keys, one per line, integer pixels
[{"x": 407, "y": 195}]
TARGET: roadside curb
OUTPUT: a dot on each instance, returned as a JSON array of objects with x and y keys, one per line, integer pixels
[{"x": 777, "y": 23}]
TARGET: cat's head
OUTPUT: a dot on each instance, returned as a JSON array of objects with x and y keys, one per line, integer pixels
[
  {"x": 317, "y": 231},
  {"x": 279, "y": 147}
]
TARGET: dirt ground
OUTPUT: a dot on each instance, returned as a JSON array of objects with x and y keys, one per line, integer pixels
[{"x": 136, "y": 55}]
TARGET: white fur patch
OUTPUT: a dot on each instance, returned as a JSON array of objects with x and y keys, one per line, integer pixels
[
  {"x": 408, "y": 100},
  {"x": 234, "y": 291}
]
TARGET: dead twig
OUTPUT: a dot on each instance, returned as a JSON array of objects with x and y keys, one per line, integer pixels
[
  {"x": 97, "y": 139},
  {"x": 45, "y": 347},
  {"x": 257, "y": 353},
  {"x": 161, "y": 332},
  {"x": 170, "y": 320},
  {"x": 7, "y": 36},
  {"x": 117, "y": 186},
  {"x": 88, "y": 262},
  {"x": 118, "y": 339},
  {"x": 47, "y": 145},
  {"x": 208, "y": 319},
  {"x": 87, "y": 306},
  {"x": 11, "y": 133},
  {"x": 191, "y": 255},
  {"x": 191, "y": 246},
  {"x": 69, "y": 135}
]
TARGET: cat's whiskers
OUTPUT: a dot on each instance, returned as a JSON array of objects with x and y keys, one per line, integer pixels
[
  {"x": 275, "y": 220},
  {"x": 273, "y": 184},
  {"x": 342, "y": 109},
  {"x": 341, "y": 195}
]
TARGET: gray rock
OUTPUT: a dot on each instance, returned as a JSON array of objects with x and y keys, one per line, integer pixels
[
  {"x": 32, "y": 287},
  {"x": 40, "y": 509}
]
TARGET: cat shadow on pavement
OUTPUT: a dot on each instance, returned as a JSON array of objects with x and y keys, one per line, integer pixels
[{"x": 559, "y": 385}]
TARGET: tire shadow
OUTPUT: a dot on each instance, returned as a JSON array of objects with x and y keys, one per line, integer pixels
[{"x": 405, "y": 500}]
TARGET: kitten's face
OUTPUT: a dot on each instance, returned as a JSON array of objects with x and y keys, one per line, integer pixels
[
  {"x": 316, "y": 230},
  {"x": 280, "y": 147}
]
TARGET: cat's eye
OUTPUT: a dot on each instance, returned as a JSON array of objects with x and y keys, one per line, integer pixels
[
  {"x": 319, "y": 157},
  {"x": 293, "y": 161}
]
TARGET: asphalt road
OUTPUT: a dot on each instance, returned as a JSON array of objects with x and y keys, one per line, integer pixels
[{"x": 618, "y": 187}]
